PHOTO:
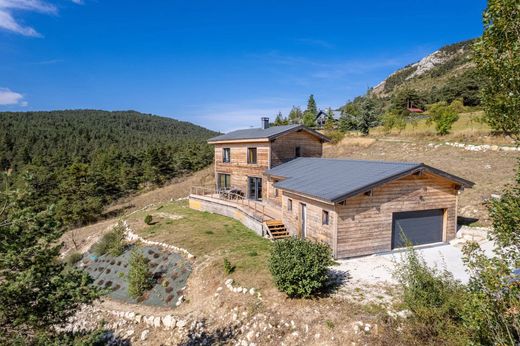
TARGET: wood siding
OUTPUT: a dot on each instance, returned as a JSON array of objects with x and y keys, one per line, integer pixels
[
  {"x": 238, "y": 168},
  {"x": 365, "y": 222},
  {"x": 315, "y": 229},
  {"x": 283, "y": 149}
]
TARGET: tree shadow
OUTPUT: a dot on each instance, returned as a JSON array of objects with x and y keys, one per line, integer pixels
[
  {"x": 219, "y": 336},
  {"x": 336, "y": 279},
  {"x": 465, "y": 221}
]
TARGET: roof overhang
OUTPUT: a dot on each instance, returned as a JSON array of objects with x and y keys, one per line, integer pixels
[
  {"x": 420, "y": 168},
  {"x": 321, "y": 136},
  {"x": 252, "y": 140}
]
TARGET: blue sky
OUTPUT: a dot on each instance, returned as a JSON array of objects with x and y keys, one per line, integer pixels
[{"x": 221, "y": 64}]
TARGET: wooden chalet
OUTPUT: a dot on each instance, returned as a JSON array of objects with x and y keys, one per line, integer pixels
[{"x": 275, "y": 177}]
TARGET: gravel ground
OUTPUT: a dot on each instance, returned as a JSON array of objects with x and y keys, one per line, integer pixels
[{"x": 377, "y": 269}]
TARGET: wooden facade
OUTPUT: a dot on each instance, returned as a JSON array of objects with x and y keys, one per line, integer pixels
[
  {"x": 270, "y": 153},
  {"x": 362, "y": 224},
  {"x": 365, "y": 222},
  {"x": 359, "y": 225}
]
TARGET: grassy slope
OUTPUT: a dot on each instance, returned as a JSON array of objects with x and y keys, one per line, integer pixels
[{"x": 211, "y": 235}]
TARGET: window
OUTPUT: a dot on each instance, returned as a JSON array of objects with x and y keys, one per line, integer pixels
[
  {"x": 325, "y": 217},
  {"x": 297, "y": 152},
  {"x": 289, "y": 204},
  {"x": 224, "y": 181},
  {"x": 226, "y": 155},
  {"x": 251, "y": 155}
]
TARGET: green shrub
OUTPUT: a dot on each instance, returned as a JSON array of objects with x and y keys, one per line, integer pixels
[
  {"x": 148, "y": 219},
  {"x": 391, "y": 120},
  {"x": 443, "y": 116},
  {"x": 435, "y": 299},
  {"x": 228, "y": 267},
  {"x": 112, "y": 243},
  {"x": 299, "y": 267},
  {"x": 73, "y": 258},
  {"x": 335, "y": 136},
  {"x": 139, "y": 275}
]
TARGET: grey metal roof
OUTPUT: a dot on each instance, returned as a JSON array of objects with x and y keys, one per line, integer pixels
[
  {"x": 334, "y": 180},
  {"x": 259, "y": 133},
  {"x": 323, "y": 113}
]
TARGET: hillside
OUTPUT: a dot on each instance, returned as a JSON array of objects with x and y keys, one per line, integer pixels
[
  {"x": 81, "y": 160},
  {"x": 444, "y": 75}
]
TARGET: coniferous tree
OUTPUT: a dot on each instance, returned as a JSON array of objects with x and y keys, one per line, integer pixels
[
  {"x": 38, "y": 292},
  {"x": 295, "y": 116}
]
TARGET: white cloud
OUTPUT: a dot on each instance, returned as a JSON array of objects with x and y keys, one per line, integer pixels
[
  {"x": 10, "y": 98},
  {"x": 10, "y": 23}
]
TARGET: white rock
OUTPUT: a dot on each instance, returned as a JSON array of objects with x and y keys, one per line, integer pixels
[
  {"x": 228, "y": 282},
  {"x": 144, "y": 334},
  {"x": 181, "y": 323},
  {"x": 252, "y": 291},
  {"x": 219, "y": 289},
  {"x": 168, "y": 322},
  {"x": 157, "y": 322}
]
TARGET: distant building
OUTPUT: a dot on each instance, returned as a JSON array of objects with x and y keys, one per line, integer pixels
[{"x": 321, "y": 117}]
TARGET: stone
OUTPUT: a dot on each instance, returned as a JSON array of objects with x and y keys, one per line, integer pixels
[
  {"x": 138, "y": 318},
  {"x": 228, "y": 282},
  {"x": 252, "y": 291},
  {"x": 144, "y": 334},
  {"x": 168, "y": 321},
  {"x": 181, "y": 323},
  {"x": 157, "y": 322},
  {"x": 219, "y": 289},
  {"x": 404, "y": 313}
]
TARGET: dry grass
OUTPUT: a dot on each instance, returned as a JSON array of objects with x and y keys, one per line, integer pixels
[{"x": 469, "y": 128}]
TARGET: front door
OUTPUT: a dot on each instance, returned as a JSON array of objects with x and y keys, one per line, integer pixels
[
  {"x": 255, "y": 188},
  {"x": 303, "y": 219}
]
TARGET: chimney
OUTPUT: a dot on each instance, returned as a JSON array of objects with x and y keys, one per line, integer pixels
[{"x": 265, "y": 122}]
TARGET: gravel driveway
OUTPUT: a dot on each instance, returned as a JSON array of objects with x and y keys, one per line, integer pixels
[{"x": 377, "y": 269}]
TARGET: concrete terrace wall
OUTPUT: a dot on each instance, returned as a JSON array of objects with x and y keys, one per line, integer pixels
[{"x": 212, "y": 205}]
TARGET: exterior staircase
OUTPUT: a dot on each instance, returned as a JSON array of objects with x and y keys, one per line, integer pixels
[{"x": 276, "y": 229}]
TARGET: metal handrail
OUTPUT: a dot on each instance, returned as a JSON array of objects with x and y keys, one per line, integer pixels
[{"x": 258, "y": 208}]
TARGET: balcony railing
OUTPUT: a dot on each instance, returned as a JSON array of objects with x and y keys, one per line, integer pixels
[{"x": 233, "y": 195}]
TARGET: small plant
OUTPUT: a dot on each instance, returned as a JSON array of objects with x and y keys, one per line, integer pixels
[
  {"x": 253, "y": 253},
  {"x": 209, "y": 232},
  {"x": 329, "y": 324},
  {"x": 121, "y": 275},
  {"x": 73, "y": 258},
  {"x": 443, "y": 116},
  {"x": 139, "y": 276},
  {"x": 228, "y": 268},
  {"x": 112, "y": 242},
  {"x": 148, "y": 219},
  {"x": 300, "y": 267}
]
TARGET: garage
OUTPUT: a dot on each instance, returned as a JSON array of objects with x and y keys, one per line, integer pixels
[{"x": 418, "y": 227}]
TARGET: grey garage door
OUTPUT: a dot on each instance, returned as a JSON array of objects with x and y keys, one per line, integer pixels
[{"x": 418, "y": 227}]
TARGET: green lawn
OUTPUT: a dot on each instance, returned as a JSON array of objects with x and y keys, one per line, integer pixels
[{"x": 206, "y": 234}]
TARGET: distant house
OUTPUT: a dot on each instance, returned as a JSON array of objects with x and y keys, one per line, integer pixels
[
  {"x": 321, "y": 117},
  {"x": 414, "y": 110},
  {"x": 357, "y": 207}
]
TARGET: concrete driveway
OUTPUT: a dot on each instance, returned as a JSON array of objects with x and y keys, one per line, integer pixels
[{"x": 378, "y": 269}]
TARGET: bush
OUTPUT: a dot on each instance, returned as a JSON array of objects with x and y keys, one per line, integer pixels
[
  {"x": 299, "y": 267},
  {"x": 435, "y": 299},
  {"x": 335, "y": 136},
  {"x": 112, "y": 243},
  {"x": 73, "y": 258},
  {"x": 148, "y": 219},
  {"x": 228, "y": 268},
  {"x": 391, "y": 120},
  {"x": 139, "y": 277},
  {"x": 443, "y": 116}
]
